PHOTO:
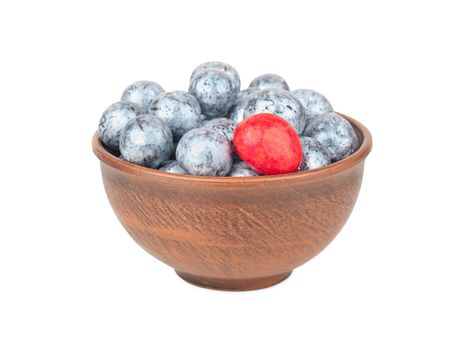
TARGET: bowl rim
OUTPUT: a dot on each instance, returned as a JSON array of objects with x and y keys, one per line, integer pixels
[{"x": 325, "y": 172}]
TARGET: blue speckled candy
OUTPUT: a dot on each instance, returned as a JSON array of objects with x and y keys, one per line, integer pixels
[
  {"x": 171, "y": 166},
  {"x": 204, "y": 152},
  {"x": 142, "y": 93},
  {"x": 224, "y": 125},
  {"x": 215, "y": 91},
  {"x": 269, "y": 81},
  {"x": 335, "y": 135},
  {"x": 247, "y": 94},
  {"x": 280, "y": 103},
  {"x": 179, "y": 110},
  {"x": 314, "y": 103},
  {"x": 146, "y": 140},
  {"x": 314, "y": 156},
  {"x": 241, "y": 169},
  {"x": 223, "y": 67},
  {"x": 237, "y": 111},
  {"x": 114, "y": 119}
]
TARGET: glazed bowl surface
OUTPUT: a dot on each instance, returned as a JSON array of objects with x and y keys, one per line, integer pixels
[{"x": 234, "y": 233}]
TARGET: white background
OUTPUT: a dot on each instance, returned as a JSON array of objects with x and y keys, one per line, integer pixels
[{"x": 397, "y": 276}]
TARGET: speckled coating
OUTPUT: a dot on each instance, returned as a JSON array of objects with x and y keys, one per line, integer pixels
[
  {"x": 314, "y": 103},
  {"x": 334, "y": 133},
  {"x": 146, "y": 140},
  {"x": 204, "y": 152},
  {"x": 179, "y": 110},
  {"x": 142, "y": 93},
  {"x": 237, "y": 111},
  {"x": 215, "y": 91},
  {"x": 224, "y": 67},
  {"x": 269, "y": 81},
  {"x": 240, "y": 169},
  {"x": 278, "y": 102},
  {"x": 313, "y": 155},
  {"x": 224, "y": 125},
  {"x": 171, "y": 166},
  {"x": 114, "y": 119},
  {"x": 247, "y": 94}
]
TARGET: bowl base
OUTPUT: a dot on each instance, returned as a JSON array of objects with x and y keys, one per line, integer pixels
[{"x": 233, "y": 285}]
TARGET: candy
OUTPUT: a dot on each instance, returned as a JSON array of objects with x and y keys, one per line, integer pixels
[
  {"x": 269, "y": 81},
  {"x": 215, "y": 91},
  {"x": 114, "y": 119},
  {"x": 313, "y": 155},
  {"x": 241, "y": 169},
  {"x": 223, "y": 67},
  {"x": 278, "y": 131},
  {"x": 247, "y": 93},
  {"x": 280, "y": 103},
  {"x": 268, "y": 143},
  {"x": 224, "y": 125},
  {"x": 335, "y": 135},
  {"x": 179, "y": 110},
  {"x": 146, "y": 140},
  {"x": 171, "y": 166},
  {"x": 142, "y": 93},
  {"x": 204, "y": 152},
  {"x": 313, "y": 102},
  {"x": 237, "y": 111}
]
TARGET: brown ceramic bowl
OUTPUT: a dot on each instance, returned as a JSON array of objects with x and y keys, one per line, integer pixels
[{"x": 234, "y": 233}]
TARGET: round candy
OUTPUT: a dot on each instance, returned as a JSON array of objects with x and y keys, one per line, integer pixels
[
  {"x": 171, "y": 166},
  {"x": 313, "y": 155},
  {"x": 224, "y": 125},
  {"x": 142, "y": 93},
  {"x": 237, "y": 111},
  {"x": 247, "y": 94},
  {"x": 114, "y": 119},
  {"x": 313, "y": 102},
  {"x": 269, "y": 144},
  {"x": 240, "y": 169},
  {"x": 204, "y": 152},
  {"x": 335, "y": 135},
  {"x": 179, "y": 110},
  {"x": 280, "y": 103},
  {"x": 224, "y": 67},
  {"x": 215, "y": 91},
  {"x": 146, "y": 140},
  {"x": 269, "y": 81}
]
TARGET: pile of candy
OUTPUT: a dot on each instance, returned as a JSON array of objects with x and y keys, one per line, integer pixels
[{"x": 215, "y": 129}]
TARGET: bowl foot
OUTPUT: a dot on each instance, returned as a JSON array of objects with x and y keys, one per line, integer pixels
[{"x": 233, "y": 285}]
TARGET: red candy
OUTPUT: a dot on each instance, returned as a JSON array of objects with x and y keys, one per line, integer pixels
[{"x": 269, "y": 144}]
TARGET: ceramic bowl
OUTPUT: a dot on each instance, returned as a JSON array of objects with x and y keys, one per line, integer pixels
[{"x": 234, "y": 233}]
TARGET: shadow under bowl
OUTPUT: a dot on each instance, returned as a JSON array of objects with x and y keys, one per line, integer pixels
[{"x": 234, "y": 233}]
